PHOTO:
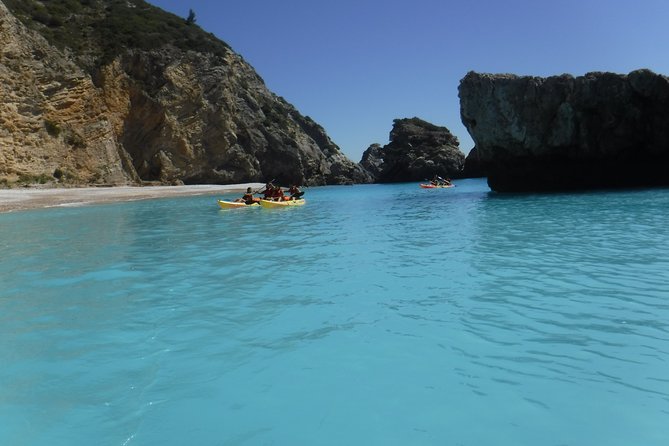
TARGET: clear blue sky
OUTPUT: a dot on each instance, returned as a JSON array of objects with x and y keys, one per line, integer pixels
[{"x": 355, "y": 65}]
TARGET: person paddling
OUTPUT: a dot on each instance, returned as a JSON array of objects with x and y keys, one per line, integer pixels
[
  {"x": 247, "y": 198},
  {"x": 295, "y": 192},
  {"x": 268, "y": 193},
  {"x": 445, "y": 181},
  {"x": 277, "y": 194}
]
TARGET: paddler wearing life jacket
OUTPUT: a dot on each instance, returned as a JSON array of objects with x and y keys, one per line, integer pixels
[
  {"x": 277, "y": 194},
  {"x": 268, "y": 192},
  {"x": 247, "y": 198}
]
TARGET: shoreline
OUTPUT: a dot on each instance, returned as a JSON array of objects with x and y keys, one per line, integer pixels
[{"x": 14, "y": 200}]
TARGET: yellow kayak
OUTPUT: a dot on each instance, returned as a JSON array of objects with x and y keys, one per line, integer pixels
[
  {"x": 235, "y": 204},
  {"x": 280, "y": 204}
]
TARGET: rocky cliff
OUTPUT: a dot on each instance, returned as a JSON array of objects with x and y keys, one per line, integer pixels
[
  {"x": 417, "y": 150},
  {"x": 565, "y": 132},
  {"x": 120, "y": 92},
  {"x": 54, "y": 123}
]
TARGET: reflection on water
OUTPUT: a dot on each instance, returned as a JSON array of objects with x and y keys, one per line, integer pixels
[{"x": 379, "y": 314}]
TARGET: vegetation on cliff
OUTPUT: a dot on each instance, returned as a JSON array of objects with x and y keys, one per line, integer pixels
[{"x": 97, "y": 31}]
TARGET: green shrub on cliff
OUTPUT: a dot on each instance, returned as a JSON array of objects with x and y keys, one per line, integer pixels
[
  {"x": 52, "y": 128},
  {"x": 103, "y": 29},
  {"x": 27, "y": 179}
]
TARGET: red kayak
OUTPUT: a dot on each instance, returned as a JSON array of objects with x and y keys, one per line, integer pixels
[{"x": 433, "y": 186}]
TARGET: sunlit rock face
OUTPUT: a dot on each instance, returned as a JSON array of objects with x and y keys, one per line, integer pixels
[
  {"x": 559, "y": 133},
  {"x": 54, "y": 123},
  {"x": 81, "y": 108}
]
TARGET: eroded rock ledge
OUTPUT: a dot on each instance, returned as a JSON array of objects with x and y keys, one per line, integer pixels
[{"x": 563, "y": 132}]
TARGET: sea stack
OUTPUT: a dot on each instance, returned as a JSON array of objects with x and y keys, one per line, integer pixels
[
  {"x": 417, "y": 150},
  {"x": 600, "y": 130}
]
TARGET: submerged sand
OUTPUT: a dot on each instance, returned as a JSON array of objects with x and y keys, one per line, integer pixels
[{"x": 34, "y": 198}]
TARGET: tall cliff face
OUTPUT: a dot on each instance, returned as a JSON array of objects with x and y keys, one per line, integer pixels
[
  {"x": 565, "y": 132},
  {"x": 53, "y": 121},
  {"x": 171, "y": 104}
]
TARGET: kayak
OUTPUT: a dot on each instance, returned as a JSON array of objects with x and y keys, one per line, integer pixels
[
  {"x": 432, "y": 186},
  {"x": 235, "y": 204},
  {"x": 280, "y": 204}
]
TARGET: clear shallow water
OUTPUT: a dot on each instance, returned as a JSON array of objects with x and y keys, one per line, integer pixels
[{"x": 374, "y": 315}]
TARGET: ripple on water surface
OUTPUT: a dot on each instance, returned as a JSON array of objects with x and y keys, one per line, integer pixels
[{"x": 378, "y": 314}]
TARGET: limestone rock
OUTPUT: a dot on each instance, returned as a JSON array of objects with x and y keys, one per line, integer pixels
[
  {"x": 372, "y": 160},
  {"x": 119, "y": 107},
  {"x": 418, "y": 150},
  {"x": 54, "y": 123},
  {"x": 207, "y": 120},
  {"x": 565, "y": 132}
]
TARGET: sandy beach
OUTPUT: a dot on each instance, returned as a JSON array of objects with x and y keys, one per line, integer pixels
[{"x": 32, "y": 198}]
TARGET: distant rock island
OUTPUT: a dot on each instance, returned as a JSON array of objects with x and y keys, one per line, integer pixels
[
  {"x": 599, "y": 130},
  {"x": 111, "y": 92},
  {"x": 418, "y": 150}
]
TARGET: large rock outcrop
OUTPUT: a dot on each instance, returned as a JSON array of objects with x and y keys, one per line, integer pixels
[
  {"x": 124, "y": 93},
  {"x": 564, "y": 132},
  {"x": 417, "y": 150}
]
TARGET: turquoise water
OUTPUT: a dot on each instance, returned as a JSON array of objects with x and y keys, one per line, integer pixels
[{"x": 374, "y": 315}]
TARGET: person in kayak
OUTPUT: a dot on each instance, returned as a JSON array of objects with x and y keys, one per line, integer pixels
[
  {"x": 444, "y": 181},
  {"x": 268, "y": 193},
  {"x": 439, "y": 181},
  {"x": 277, "y": 194},
  {"x": 247, "y": 198},
  {"x": 295, "y": 192}
]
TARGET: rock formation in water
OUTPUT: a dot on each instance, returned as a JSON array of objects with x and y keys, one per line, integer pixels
[
  {"x": 121, "y": 92},
  {"x": 564, "y": 132},
  {"x": 372, "y": 160},
  {"x": 417, "y": 150},
  {"x": 473, "y": 166}
]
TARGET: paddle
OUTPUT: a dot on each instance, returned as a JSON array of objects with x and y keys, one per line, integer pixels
[
  {"x": 295, "y": 195},
  {"x": 253, "y": 192},
  {"x": 266, "y": 198},
  {"x": 269, "y": 182}
]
